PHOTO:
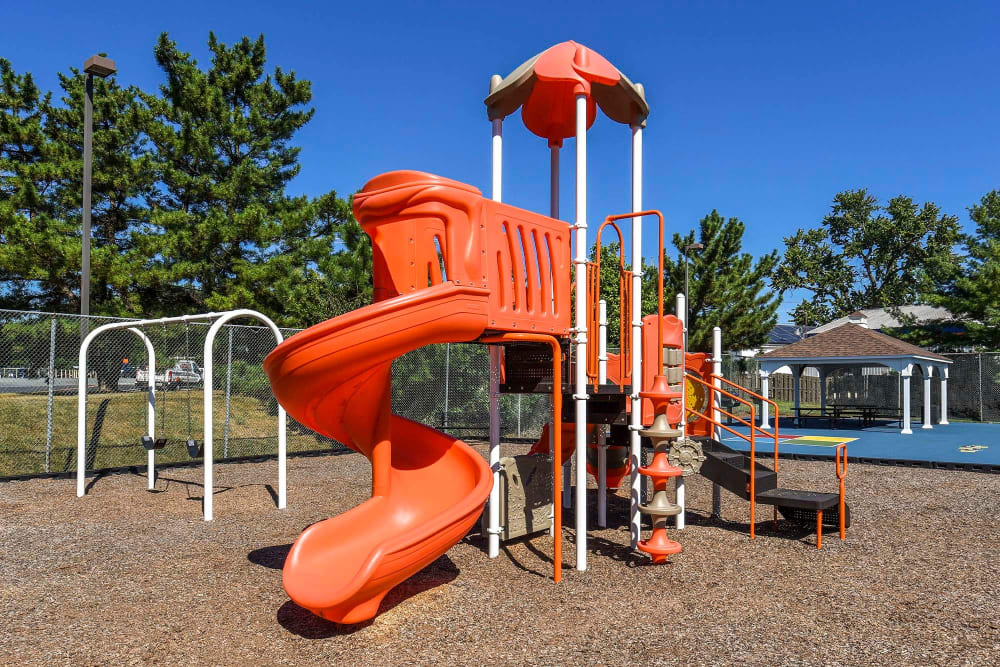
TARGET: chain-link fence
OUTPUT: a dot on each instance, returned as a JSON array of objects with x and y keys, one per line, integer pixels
[
  {"x": 973, "y": 386},
  {"x": 444, "y": 386}
]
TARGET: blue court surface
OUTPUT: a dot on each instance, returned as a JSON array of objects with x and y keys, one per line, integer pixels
[{"x": 954, "y": 446}]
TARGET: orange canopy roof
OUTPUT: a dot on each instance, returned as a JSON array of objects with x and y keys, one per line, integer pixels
[{"x": 545, "y": 86}]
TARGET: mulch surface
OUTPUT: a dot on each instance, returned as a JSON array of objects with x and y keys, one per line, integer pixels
[{"x": 124, "y": 576}]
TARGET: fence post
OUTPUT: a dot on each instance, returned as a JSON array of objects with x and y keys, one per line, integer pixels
[
  {"x": 48, "y": 412},
  {"x": 981, "y": 413},
  {"x": 447, "y": 372},
  {"x": 519, "y": 415},
  {"x": 229, "y": 379}
]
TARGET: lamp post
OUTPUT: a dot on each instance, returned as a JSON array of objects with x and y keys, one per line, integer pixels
[
  {"x": 687, "y": 251},
  {"x": 95, "y": 65}
]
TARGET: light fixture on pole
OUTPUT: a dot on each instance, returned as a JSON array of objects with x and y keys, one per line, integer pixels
[{"x": 103, "y": 67}]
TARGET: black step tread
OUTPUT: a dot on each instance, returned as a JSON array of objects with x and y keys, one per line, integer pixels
[{"x": 810, "y": 500}]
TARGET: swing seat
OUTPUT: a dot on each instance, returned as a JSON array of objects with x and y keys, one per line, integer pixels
[
  {"x": 148, "y": 443},
  {"x": 194, "y": 449}
]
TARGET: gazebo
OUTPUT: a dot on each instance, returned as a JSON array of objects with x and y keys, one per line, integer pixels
[{"x": 854, "y": 345}]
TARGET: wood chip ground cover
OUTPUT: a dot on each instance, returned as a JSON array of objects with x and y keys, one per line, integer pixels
[{"x": 124, "y": 576}]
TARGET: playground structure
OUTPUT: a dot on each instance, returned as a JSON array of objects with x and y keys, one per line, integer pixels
[
  {"x": 453, "y": 266},
  {"x": 149, "y": 440}
]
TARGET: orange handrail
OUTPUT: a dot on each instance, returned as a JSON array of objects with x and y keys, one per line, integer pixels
[
  {"x": 659, "y": 277},
  {"x": 841, "y": 462},
  {"x": 751, "y": 440},
  {"x": 762, "y": 398},
  {"x": 624, "y": 308},
  {"x": 553, "y": 342}
]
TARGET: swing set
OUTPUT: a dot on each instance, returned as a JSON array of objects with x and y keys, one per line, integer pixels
[{"x": 149, "y": 441}]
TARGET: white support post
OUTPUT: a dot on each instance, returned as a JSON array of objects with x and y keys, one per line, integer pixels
[
  {"x": 681, "y": 309},
  {"x": 796, "y": 390},
  {"x": 928, "y": 372},
  {"x": 822, "y": 391},
  {"x": 580, "y": 265},
  {"x": 81, "y": 405},
  {"x": 907, "y": 372},
  {"x": 602, "y": 342},
  {"x": 208, "y": 381},
  {"x": 493, "y": 505},
  {"x": 554, "y": 180},
  {"x": 764, "y": 375},
  {"x": 944, "y": 395},
  {"x": 150, "y": 407},
  {"x": 635, "y": 418},
  {"x": 716, "y": 415}
]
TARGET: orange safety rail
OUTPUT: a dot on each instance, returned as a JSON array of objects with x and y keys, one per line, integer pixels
[
  {"x": 624, "y": 358},
  {"x": 765, "y": 400},
  {"x": 427, "y": 230},
  {"x": 751, "y": 439},
  {"x": 553, "y": 342},
  {"x": 528, "y": 264},
  {"x": 841, "y": 462}
]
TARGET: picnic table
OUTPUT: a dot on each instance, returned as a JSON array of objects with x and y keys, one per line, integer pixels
[{"x": 868, "y": 414}]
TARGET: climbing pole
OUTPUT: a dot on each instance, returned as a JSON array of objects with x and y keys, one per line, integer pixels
[{"x": 665, "y": 394}]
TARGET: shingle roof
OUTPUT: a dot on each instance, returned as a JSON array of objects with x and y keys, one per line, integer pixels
[
  {"x": 850, "y": 340},
  {"x": 881, "y": 318}
]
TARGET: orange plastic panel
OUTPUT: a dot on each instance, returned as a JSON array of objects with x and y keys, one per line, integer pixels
[
  {"x": 528, "y": 269},
  {"x": 426, "y": 230},
  {"x": 673, "y": 336}
]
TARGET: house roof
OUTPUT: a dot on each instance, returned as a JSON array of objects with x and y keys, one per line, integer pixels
[
  {"x": 881, "y": 318},
  {"x": 783, "y": 334},
  {"x": 851, "y": 341}
]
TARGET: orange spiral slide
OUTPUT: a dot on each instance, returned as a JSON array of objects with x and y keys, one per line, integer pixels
[{"x": 430, "y": 237}]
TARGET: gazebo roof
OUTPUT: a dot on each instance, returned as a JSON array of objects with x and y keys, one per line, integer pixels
[{"x": 850, "y": 343}]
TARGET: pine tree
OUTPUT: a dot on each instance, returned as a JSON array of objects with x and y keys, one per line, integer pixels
[
  {"x": 230, "y": 235},
  {"x": 34, "y": 240},
  {"x": 727, "y": 288},
  {"x": 975, "y": 299}
]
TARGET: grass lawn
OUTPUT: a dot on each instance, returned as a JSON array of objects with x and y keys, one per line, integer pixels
[{"x": 115, "y": 422}]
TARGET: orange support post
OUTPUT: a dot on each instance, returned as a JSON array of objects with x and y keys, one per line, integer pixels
[
  {"x": 553, "y": 342},
  {"x": 841, "y": 461}
]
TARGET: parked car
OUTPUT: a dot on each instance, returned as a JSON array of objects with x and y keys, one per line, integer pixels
[{"x": 184, "y": 374}]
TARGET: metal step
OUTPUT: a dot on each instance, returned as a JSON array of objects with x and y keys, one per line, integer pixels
[
  {"x": 798, "y": 498},
  {"x": 731, "y": 470}
]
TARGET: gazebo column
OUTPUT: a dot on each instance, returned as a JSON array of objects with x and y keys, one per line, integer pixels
[
  {"x": 943, "y": 370},
  {"x": 764, "y": 375},
  {"x": 928, "y": 372},
  {"x": 906, "y": 373},
  {"x": 796, "y": 387},
  {"x": 822, "y": 391}
]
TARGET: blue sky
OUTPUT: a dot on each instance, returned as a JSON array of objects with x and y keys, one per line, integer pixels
[{"x": 762, "y": 110}]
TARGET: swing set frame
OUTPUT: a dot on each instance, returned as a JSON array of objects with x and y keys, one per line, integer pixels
[{"x": 217, "y": 319}]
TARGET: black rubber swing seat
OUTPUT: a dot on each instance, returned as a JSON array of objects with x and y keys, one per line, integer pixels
[
  {"x": 148, "y": 443},
  {"x": 194, "y": 448}
]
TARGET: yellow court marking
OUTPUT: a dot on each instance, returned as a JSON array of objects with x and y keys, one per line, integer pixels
[{"x": 821, "y": 438}]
